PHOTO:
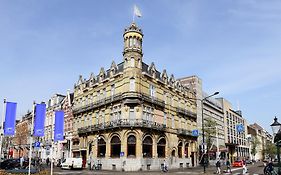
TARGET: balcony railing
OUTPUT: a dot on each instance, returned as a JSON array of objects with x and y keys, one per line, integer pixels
[
  {"x": 186, "y": 112},
  {"x": 75, "y": 147},
  {"x": 123, "y": 123},
  {"x": 118, "y": 97},
  {"x": 184, "y": 132}
]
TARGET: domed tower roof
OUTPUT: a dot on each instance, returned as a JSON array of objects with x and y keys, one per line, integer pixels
[{"x": 133, "y": 28}]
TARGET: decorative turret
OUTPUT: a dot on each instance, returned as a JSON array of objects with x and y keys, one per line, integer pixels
[{"x": 133, "y": 46}]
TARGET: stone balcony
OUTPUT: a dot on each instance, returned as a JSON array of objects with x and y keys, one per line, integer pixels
[
  {"x": 122, "y": 123},
  {"x": 128, "y": 97},
  {"x": 184, "y": 132},
  {"x": 185, "y": 112}
]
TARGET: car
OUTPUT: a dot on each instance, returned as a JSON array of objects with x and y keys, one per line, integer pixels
[
  {"x": 72, "y": 163},
  {"x": 249, "y": 161},
  {"x": 10, "y": 164},
  {"x": 237, "y": 163}
]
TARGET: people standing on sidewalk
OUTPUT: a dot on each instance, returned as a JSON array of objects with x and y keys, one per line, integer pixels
[
  {"x": 228, "y": 166},
  {"x": 245, "y": 170},
  {"x": 218, "y": 165}
]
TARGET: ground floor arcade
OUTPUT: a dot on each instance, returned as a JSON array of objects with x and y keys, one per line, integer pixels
[{"x": 137, "y": 149}]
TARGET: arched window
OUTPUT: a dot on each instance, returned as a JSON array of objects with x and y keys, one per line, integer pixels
[
  {"x": 147, "y": 147},
  {"x": 180, "y": 150},
  {"x": 131, "y": 146},
  {"x": 186, "y": 150},
  {"x": 161, "y": 147},
  {"x": 173, "y": 153},
  {"x": 115, "y": 147},
  {"x": 101, "y": 147}
]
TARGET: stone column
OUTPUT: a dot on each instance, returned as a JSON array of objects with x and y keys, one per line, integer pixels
[
  {"x": 108, "y": 146},
  {"x": 154, "y": 148},
  {"x": 139, "y": 145}
]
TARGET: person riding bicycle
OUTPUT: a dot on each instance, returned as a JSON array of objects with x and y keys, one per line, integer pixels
[{"x": 268, "y": 169}]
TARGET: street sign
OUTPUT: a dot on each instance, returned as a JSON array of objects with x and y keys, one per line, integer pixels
[
  {"x": 195, "y": 133},
  {"x": 240, "y": 128},
  {"x": 121, "y": 154},
  {"x": 37, "y": 144}
]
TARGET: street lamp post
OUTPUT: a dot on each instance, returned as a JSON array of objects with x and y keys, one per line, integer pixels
[
  {"x": 203, "y": 130},
  {"x": 276, "y": 128}
]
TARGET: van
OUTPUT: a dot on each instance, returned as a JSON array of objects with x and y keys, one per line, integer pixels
[{"x": 71, "y": 163}]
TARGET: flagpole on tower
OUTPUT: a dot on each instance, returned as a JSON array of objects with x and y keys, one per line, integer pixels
[{"x": 136, "y": 13}]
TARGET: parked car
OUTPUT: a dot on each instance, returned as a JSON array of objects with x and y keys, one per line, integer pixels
[
  {"x": 10, "y": 164},
  {"x": 249, "y": 161},
  {"x": 237, "y": 163},
  {"x": 72, "y": 163}
]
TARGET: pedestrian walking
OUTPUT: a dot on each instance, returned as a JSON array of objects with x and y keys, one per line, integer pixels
[
  {"x": 228, "y": 166},
  {"x": 218, "y": 165},
  {"x": 21, "y": 161},
  {"x": 245, "y": 170},
  {"x": 47, "y": 161}
]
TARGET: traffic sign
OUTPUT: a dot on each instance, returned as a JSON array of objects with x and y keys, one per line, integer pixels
[
  {"x": 240, "y": 128},
  {"x": 121, "y": 154},
  {"x": 195, "y": 133},
  {"x": 37, "y": 144}
]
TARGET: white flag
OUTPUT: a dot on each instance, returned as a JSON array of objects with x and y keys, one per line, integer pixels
[{"x": 137, "y": 11}]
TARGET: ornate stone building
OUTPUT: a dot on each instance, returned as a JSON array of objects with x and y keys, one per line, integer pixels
[{"x": 133, "y": 117}]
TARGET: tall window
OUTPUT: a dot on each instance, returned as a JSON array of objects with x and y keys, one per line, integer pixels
[
  {"x": 112, "y": 92},
  {"x": 147, "y": 147},
  {"x": 104, "y": 93},
  {"x": 97, "y": 118},
  {"x": 98, "y": 95},
  {"x": 131, "y": 146},
  {"x": 132, "y": 84},
  {"x": 180, "y": 150},
  {"x": 165, "y": 97},
  {"x": 161, "y": 145},
  {"x": 132, "y": 113},
  {"x": 131, "y": 42},
  {"x": 148, "y": 113},
  {"x": 115, "y": 147},
  {"x": 101, "y": 148},
  {"x": 132, "y": 62},
  {"x": 165, "y": 118},
  {"x": 186, "y": 150},
  {"x": 152, "y": 90},
  {"x": 173, "y": 121},
  {"x": 102, "y": 118}
]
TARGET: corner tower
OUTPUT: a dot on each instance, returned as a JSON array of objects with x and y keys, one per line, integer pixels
[{"x": 133, "y": 47}]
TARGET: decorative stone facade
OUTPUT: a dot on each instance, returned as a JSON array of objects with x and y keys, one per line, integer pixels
[{"x": 132, "y": 117}]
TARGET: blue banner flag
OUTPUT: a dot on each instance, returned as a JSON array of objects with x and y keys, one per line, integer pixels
[
  {"x": 10, "y": 119},
  {"x": 59, "y": 125},
  {"x": 40, "y": 113}
]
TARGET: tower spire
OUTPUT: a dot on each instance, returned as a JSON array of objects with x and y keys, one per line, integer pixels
[{"x": 133, "y": 45}]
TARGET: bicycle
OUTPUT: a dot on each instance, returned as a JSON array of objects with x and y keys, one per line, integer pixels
[{"x": 268, "y": 170}]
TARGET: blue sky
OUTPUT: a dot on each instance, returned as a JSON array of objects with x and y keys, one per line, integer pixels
[{"x": 232, "y": 45}]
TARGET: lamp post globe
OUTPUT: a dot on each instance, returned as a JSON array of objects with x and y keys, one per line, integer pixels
[
  {"x": 277, "y": 138},
  {"x": 275, "y": 126}
]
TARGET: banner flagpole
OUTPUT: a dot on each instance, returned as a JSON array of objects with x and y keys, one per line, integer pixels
[
  {"x": 52, "y": 140},
  {"x": 2, "y": 127},
  {"x": 31, "y": 139}
]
